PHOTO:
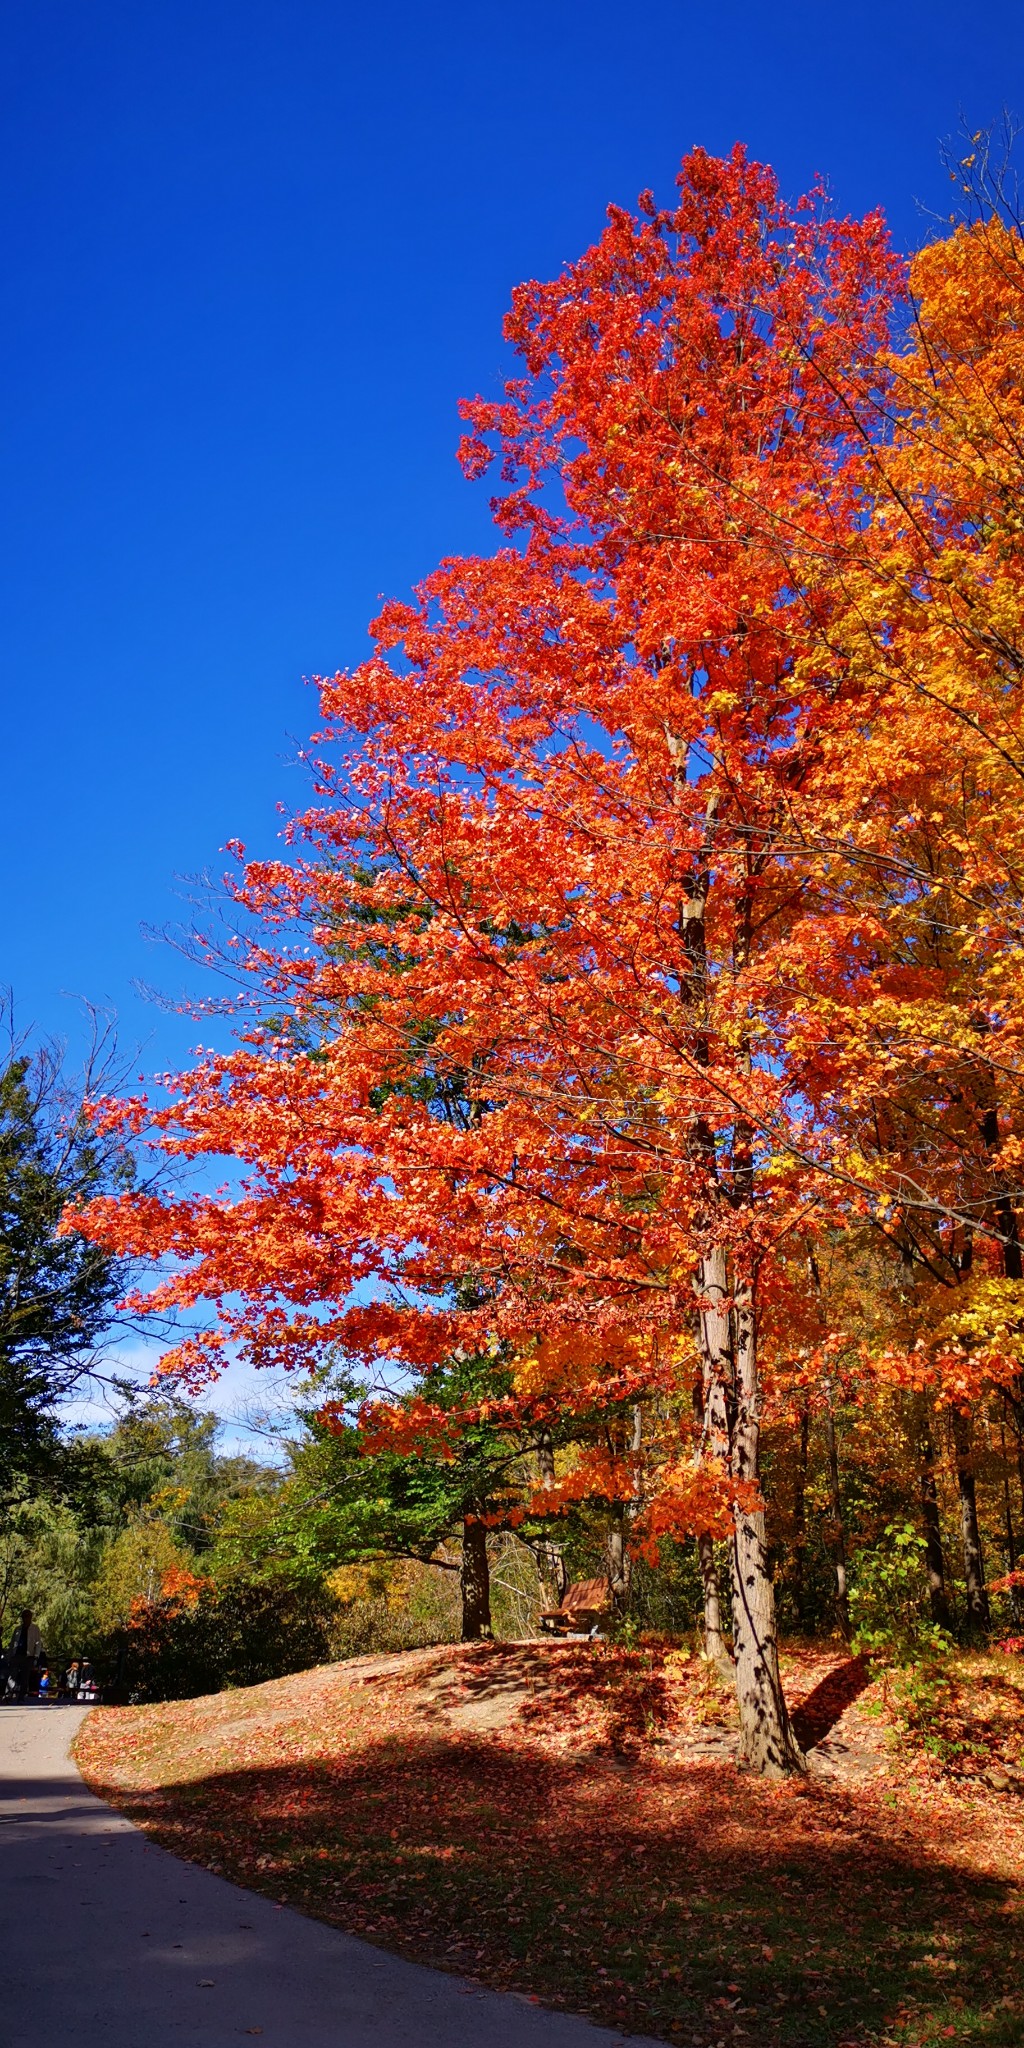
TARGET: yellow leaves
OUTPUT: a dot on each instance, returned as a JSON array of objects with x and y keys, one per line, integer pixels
[
  {"x": 383, "y": 1579},
  {"x": 595, "y": 1474},
  {"x": 987, "y": 1318},
  {"x": 955, "y": 1340}
]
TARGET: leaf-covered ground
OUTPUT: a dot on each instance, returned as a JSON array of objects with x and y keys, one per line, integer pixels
[{"x": 567, "y": 1820}]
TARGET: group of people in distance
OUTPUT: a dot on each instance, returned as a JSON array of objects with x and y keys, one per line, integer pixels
[{"x": 25, "y": 1673}]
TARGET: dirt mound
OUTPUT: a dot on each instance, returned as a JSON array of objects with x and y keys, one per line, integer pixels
[{"x": 586, "y": 1699}]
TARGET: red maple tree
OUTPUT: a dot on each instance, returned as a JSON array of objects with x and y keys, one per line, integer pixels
[{"x": 525, "y": 1072}]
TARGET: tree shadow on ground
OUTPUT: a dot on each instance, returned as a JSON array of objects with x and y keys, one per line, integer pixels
[
  {"x": 693, "y": 1904},
  {"x": 817, "y": 1715},
  {"x": 546, "y": 1684}
]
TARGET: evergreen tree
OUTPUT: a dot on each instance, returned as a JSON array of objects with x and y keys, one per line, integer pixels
[{"x": 57, "y": 1293}]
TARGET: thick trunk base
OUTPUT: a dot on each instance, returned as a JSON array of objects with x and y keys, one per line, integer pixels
[{"x": 767, "y": 1741}]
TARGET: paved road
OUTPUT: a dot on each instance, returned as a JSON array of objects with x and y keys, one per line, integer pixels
[{"x": 110, "y": 1942}]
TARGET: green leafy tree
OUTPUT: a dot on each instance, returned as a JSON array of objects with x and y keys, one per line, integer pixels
[
  {"x": 161, "y": 1462},
  {"x": 352, "y": 1500},
  {"x": 58, "y": 1294},
  {"x": 49, "y": 1560}
]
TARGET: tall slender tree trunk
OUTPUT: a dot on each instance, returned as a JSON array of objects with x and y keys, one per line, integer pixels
[
  {"x": 1014, "y": 1405},
  {"x": 938, "y": 1598},
  {"x": 732, "y": 1432},
  {"x": 714, "y": 1646},
  {"x": 800, "y": 1516},
  {"x": 1005, "y": 1215},
  {"x": 619, "y": 1573},
  {"x": 550, "y": 1556},
  {"x": 766, "y": 1735},
  {"x": 838, "y": 1523},
  {"x": 1011, "y": 1534},
  {"x": 974, "y": 1563},
  {"x": 728, "y": 1345},
  {"x": 1019, "y": 1433},
  {"x": 475, "y": 1579},
  {"x": 712, "y": 1397}
]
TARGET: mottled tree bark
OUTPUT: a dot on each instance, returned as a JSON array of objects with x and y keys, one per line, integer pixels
[
  {"x": 714, "y": 1646},
  {"x": 728, "y": 1345},
  {"x": 766, "y": 1736},
  {"x": 711, "y": 1403},
  {"x": 618, "y": 1560}
]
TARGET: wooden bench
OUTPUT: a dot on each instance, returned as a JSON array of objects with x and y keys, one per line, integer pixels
[{"x": 580, "y": 1609}]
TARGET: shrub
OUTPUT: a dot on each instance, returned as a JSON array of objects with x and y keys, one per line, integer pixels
[
  {"x": 198, "y": 1638},
  {"x": 394, "y": 1605},
  {"x": 887, "y": 1599}
]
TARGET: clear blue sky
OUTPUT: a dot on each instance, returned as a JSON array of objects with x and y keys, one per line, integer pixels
[{"x": 254, "y": 251}]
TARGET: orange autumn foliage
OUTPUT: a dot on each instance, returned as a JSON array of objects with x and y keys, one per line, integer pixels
[
  {"x": 180, "y": 1591},
  {"x": 657, "y": 918},
  {"x": 930, "y": 1086}
]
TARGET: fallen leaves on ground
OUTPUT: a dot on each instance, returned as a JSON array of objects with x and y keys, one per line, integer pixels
[
  {"x": 965, "y": 1716},
  {"x": 567, "y": 1820}
]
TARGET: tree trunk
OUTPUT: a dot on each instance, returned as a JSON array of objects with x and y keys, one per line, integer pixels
[
  {"x": 838, "y": 1525},
  {"x": 1018, "y": 1602},
  {"x": 800, "y": 1517},
  {"x": 618, "y": 1561},
  {"x": 1020, "y": 1470},
  {"x": 766, "y": 1736},
  {"x": 974, "y": 1563},
  {"x": 732, "y": 1427},
  {"x": 1011, "y": 1535},
  {"x": 711, "y": 1405},
  {"x": 938, "y": 1598},
  {"x": 714, "y": 1647},
  {"x": 550, "y": 1556},
  {"x": 1006, "y": 1217},
  {"x": 475, "y": 1580},
  {"x": 732, "y": 1417}
]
